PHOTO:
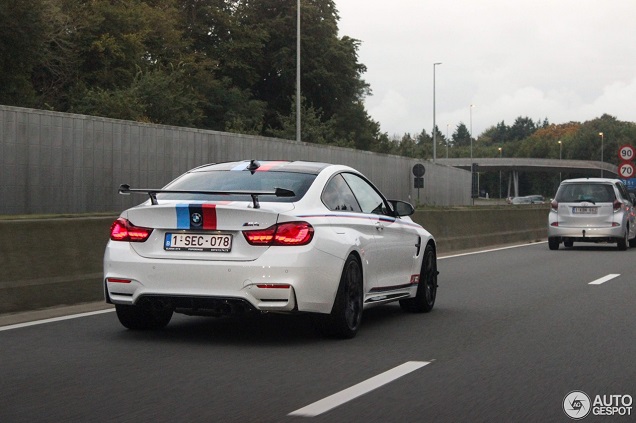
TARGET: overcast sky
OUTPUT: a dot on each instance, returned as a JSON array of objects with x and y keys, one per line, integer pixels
[{"x": 564, "y": 60}]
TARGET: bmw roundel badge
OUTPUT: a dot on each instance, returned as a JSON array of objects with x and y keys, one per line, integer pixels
[{"x": 196, "y": 219}]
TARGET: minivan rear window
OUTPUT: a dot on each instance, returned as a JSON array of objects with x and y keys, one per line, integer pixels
[{"x": 596, "y": 193}]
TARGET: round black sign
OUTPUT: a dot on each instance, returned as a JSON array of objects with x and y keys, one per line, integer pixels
[{"x": 418, "y": 170}]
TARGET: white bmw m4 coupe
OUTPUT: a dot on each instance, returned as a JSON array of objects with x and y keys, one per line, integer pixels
[{"x": 269, "y": 236}]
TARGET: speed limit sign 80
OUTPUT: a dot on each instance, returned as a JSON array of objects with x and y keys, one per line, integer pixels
[{"x": 626, "y": 153}]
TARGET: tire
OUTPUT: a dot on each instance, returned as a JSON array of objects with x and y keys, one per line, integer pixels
[
  {"x": 346, "y": 315},
  {"x": 622, "y": 242},
  {"x": 568, "y": 244},
  {"x": 632, "y": 242},
  {"x": 143, "y": 317},
  {"x": 424, "y": 299},
  {"x": 553, "y": 243}
]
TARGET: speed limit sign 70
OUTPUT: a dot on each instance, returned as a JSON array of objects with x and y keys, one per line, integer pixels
[
  {"x": 626, "y": 170},
  {"x": 626, "y": 153}
]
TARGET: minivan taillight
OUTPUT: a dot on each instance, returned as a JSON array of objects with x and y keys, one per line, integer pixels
[
  {"x": 617, "y": 205},
  {"x": 554, "y": 205},
  {"x": 289, "y": 233},
  {"x": 123, "y": 230}
]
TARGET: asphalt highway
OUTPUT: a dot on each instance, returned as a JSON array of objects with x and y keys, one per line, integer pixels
[{"x": 513, "y": 332}]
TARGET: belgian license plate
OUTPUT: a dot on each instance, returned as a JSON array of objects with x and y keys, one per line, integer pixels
[
  {"x": 198, "y": 242},
  {"x": 584, "y": 210}
]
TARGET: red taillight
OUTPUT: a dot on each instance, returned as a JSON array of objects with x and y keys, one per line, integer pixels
[
  {"x": 123, "y": 230},
  {"x": 294, "y": 233},
  {"x": 290, "y": 233},
  {"x": 261, "y": 236},
  {"x": 617, "y": 205},
  {"x": 554, "y": 205}
]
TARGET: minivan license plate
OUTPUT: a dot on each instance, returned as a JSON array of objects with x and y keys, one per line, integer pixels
[
  {"x": 584, "y": 210},
  {"x": 198, "y": 242}
]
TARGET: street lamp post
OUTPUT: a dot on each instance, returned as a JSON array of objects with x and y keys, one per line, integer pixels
[
  {"x": 298, "y": 138},
  {"x": 500, "y": 156},
  {"x": 560, "y": 151},
  {"x": 471, "y": 133},
  {"x": 472, "y": 176},
  {"x": 434, "y": 124},
  {"x": 602, "y": 142}
]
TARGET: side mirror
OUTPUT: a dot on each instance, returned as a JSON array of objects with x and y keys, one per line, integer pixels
[{"x": 402, "y": 208}]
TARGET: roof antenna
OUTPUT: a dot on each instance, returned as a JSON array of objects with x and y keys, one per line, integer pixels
[{"x": 254, "y": 164}]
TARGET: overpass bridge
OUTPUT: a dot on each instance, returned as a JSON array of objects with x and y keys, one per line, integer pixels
[{"x": 514, "y": 166}]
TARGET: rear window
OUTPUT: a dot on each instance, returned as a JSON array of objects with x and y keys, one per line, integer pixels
[
  {"x": 596, "y": 193},
  {"x": 222, "y": 180}
]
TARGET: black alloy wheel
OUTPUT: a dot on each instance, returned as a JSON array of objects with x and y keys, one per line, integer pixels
[
  {"x": 346, "y": 314},
  {"x": 427, "y": 289},
  {"x": 144, "y": 316}
]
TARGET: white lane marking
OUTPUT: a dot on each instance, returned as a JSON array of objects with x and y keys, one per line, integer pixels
[
  {"x": 604, "y": 279},
  {"x": 361, "y": 388},
  {"x": 56, "y": 319},
  {"x": 491, "y": 250}
]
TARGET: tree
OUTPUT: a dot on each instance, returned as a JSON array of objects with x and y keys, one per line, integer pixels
[
  {"x": 133, "y": 51},
  {"x": 496, "y": 134},
  {"x": 407, "y": 146},
  {"x": 521, "y": 129},
  {"x": 26, "y": 28},
  {"x": 424, "y": 145},
  {"x": 461, "y": 136},
  {"x": 313, "y": 129},
  {"x": 330, "y": 72},
  {"x": 353, "y": 124},
  {"x": 440, "y": 140}
]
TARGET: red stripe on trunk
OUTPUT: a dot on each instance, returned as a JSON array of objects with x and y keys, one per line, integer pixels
[{"x": 209, "y": 216}]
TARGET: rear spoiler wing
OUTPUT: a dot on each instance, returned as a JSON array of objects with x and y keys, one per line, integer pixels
[{"x": 125, "y": 189}]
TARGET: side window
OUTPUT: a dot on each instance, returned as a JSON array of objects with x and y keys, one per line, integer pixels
[
  {"x": 623, "y": 192},
  {"x": 369, "y": 199},
  {"x": 338, "y": 196}
]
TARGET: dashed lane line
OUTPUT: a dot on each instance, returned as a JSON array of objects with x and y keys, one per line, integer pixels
[
  {"x": 55, "y": 319},
  {"x": 360, "y": 389},
  {"x": 604, "y": 279}
]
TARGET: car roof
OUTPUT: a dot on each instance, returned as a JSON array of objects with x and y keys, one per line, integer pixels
[
  {"x": 266, "y": 165},
  {"x": 593, "y": 180}
]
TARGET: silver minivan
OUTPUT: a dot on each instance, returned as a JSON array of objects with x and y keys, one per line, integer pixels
[{"x": 591, "y": 210}]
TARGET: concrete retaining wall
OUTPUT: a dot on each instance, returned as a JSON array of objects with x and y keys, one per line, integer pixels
[
  {"x": 53, "y": 162},
  {"x": 50, "y": 262},
  {"x": 58, "y": 261},
  {"x": 467, "y": 228}
]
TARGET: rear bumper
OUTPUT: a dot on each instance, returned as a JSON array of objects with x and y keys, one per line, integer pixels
[
  {"x": 583, "y": 234},
  {"x": 283, "y": 279}
]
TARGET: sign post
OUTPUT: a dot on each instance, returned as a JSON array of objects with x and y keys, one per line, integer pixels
[
  {"x": 418, "y": 172},
  {"x": 474, "y": 189}
]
